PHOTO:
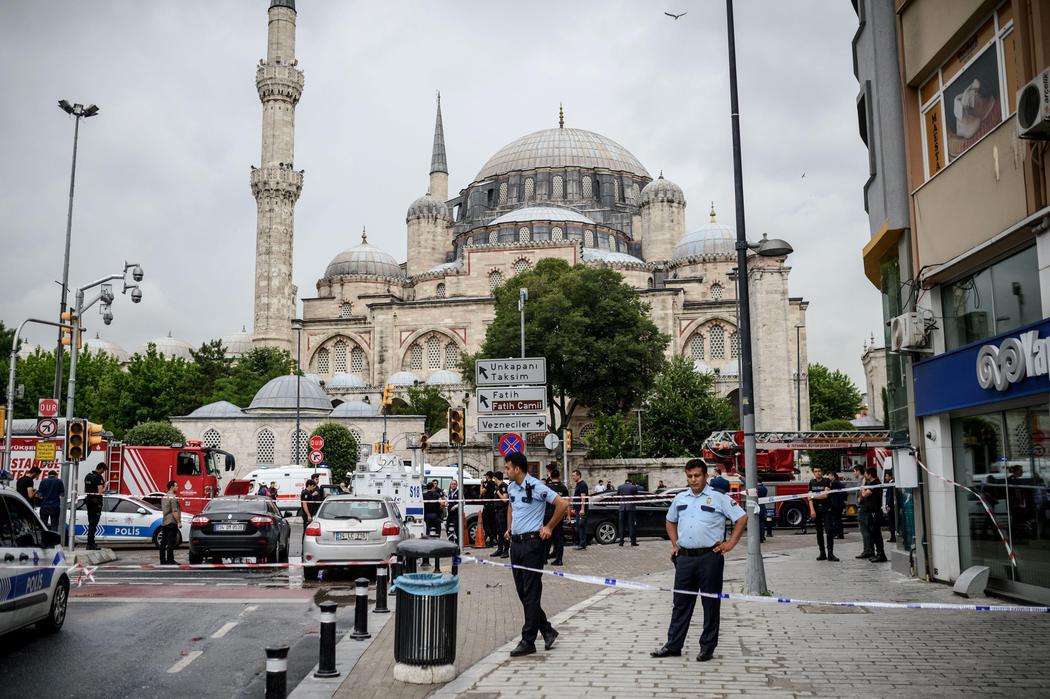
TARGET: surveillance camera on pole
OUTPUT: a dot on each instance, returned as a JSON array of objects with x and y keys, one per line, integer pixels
[{"x": 136, "y": 295}]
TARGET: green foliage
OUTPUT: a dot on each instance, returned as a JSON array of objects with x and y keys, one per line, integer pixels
[
  {"x": 210, "y": 364},
  {"x": 340, "y": 450},
  {"x": 832, "y": 395},
  {"x": 829, "y": 459},
  {"x": 682, "y": 410},
  {"x": 156, "y": 433},
  {"x": 427, "y": 401},
  {"x": 615, "y": 436}
]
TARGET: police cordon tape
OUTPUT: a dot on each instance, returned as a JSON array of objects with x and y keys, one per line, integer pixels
[{"x": 87, "y": 572}]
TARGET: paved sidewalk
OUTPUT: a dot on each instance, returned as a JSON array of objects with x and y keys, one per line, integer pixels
[{"x": 782, "y": 650}]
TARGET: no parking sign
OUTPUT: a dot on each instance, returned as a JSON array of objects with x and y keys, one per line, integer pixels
[{"x": 510, "y": 443}]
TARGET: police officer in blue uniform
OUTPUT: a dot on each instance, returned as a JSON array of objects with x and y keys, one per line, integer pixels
[
  {"x": 696, "y": 527},
  {"x": 528, "y": 535}
]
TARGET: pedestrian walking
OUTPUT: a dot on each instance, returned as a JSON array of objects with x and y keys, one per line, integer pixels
[
  {"x": 871, "y": 500},
  {"x": 311, "y": 502},
  {"x": 528, "y": 534},
  {"x": 889, "y": 505},
  {"x": 25, "y": 485},
  {"x": 272, "y": 494},
  {"x": 580, "y": 503},
  {"x": 263, "y": 490},
  {"x": 488, "y": 508},
  {"x": 432, "y": 509},
  {"x": 94, "y": 486},
  {"x": 502, "y": 546},
  {"x": 720, "y": 482},
  {"x": 819, "y": 489},
  {"x": 169, "y": 526},
  {"x": 51, "y": 492},
  {"x": 696, "y": 526},
  {"x": 556, "y": 544},
  {"x": 626, "y": 493},
  {"x": 836, "y": 503},
  {"x": 864, "y": 515}
]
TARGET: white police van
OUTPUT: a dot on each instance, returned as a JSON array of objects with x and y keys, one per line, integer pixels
[
  {"x": 127, "y": 520},
  {"x": 34, "y": 579}
]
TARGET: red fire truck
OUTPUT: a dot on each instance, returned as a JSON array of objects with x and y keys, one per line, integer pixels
[
  {"x": 775, "y": 457},
  {"x": 133, "y": 470}
]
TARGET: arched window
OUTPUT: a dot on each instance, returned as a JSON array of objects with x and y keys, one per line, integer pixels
[
  {"x": 649, "y": 283},
  {"x": 634, "y": 192},
  {"x": 495, "y": 279},
  {"x": 556, "y": 233},
  {"x": 716, "y": 291},
  {"x": 557, "y": 187},
  {"x": 345, "y": 309},
  {"x": 340, "y": 356},
  {"x": 359, "y": 439},
  {"x": 530, "y": 187},
  {"x": 415, "y": 357},
  {"x": 440, "y": 290},
  {"x": 493, "y": 237},
  {"x": 586, "y": 431},
  {"x": 718, "y": 342},
  {"x": 433, "y": 352},
  {"x": 211, "y": 438},
  {"x": 588, "y": 239},
  {"x": 734, "y": 345},
  {"x": 502, "y": 192},
  {"x": 696, "y": 347},
  {"x": 617, "y": 190},
  {"x": 264, "y": 446},
  {"x": 452, "y": 356},
  {"x": 322, "y": 361},
  {"x": 302, "y": 438},
  {"x": 587, "y": 187},
  {"x": 521, "y": 265},
  {"x": 523, "y": 234},
  {"x": 357, "y": 360}
]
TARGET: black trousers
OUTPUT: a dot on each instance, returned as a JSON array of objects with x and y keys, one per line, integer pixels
[
  {"x": 627, "y": 521},
  {"x": 499, "y": 519},
  {"x": 432, "y": 523},
  {"x": 825, "y": 524},
  {"x": 836, "y": 521},
  {"x": 875, "y": 533},
  {"x": 556, "y": 544},
  {"x": 50, "y": 517},
  {"x": 696, "y": 573},
  {"x": 488, "y": 521},
  {"x": 169, "y": 535},
  {"x": 529, "y": 585},
  {"x": 94, "y": 515},
  {"x": 891, "y": 522},
  {"x": 581, "y": 530}
]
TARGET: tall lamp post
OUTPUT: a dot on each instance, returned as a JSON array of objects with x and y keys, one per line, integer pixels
[
  {"x": 754, "y": 572},
  {"x": 77, "y": 111},
  {"x": 523, "y": 296}
]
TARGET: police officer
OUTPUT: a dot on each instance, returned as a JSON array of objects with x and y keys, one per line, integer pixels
[
  {"x": 696, "y": 527},
  {"x": 626, "y": 494},
  {"x": 528, "y": 535},
  {"x": 821, "y": 514},
  {"x": 556, "y": 544},
  {"x": 500, "y": 518},
  {"x": 94, "y": 485},
  {"x": 488, "y": 509}
]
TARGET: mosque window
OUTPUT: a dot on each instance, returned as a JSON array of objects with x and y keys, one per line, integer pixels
[
  {"x": 302, "y": 439},
  {"x": 502, "y": 193},
  {"x": 345, "y": 309},
  {"x": 734, "y": 345},
  {"x": 588, "y": 239},
  {"x": 440, "y": 293},
  {"x": 493, "y": 237},
  {"x": 556, "y": 233},
  {"x": 415, "y": 357},
  {"x": 359, "y": 439},
  {"x": 523, "y": 234},
  {"x": 587, "y": 187},
  {"x": 617, "y": 190},
  {"x": 603, "y": 241},
  {"x": 521, "y": 265},
  {"x": 322, "y": 361},
  {"x": 495, "y": 279},
  {"x": 634, "y": 192},
  {"x": 530, "y": 187},
  {"x": 433, "y": 353},
  {"x": 716, "y": 292},
  {"x": 451, "y": 356},
  {"x": 340, "y": 356},
  {"x": 557, "y": 187},
  {"x": 264, "y": 447},
  {"x": 357, "y": 360},
  {"x": 718, "y": 342},
  {"x": 696, "y": 347},
  {"x": 586, "y": 431},
  {"x": 211, "y": 438},
  {"x": 649, "y": 283}
]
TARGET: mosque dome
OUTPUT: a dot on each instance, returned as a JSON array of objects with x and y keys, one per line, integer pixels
[
  {"x": 427, "y": 205},
  {"x": 661, "y": 189},
  {"x": 354, "y": 408},
  {"x": 316, "y": 378},
  {"x": 100, "y": 346},
  {"x": 222, "y": 408},
  {"x": 560, "y": 147},
  {"x": 237, "y": 344},
  {"x": 280, "y": 394},
  {"x": 541, "y": 213},
  {"x": 403, "y": 378},
  {"x": 610, "y": 256},
  {"x": 444, "y": 377},
  {"x": 363, "y": 259},
  {"x": 341, "y": 379},
  {"x": 169, "y": 347},
  {"x": 713, "y": 239}
]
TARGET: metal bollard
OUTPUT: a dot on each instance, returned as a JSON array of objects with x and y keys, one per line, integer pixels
[
  {"x": 360, "y": 631},
  {"x": 326, "y": 663},
  {"x": 395, "y": 570},
  {"x": 277, "y": 672},
  {"x": 381, "y": 578}
]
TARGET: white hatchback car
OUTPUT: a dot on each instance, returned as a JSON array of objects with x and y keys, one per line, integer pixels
[
  {"x": 34, "y": 577},
  {"x": 351, "y": 530},
  {"x": 127, "y": 521}
]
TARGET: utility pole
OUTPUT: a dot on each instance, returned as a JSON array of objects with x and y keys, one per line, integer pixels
[{"x": 523, "y": 296}]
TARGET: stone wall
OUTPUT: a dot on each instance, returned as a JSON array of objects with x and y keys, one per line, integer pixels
[{"x": 670, "y": 470}]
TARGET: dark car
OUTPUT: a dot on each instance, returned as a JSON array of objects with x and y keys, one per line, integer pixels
[
  {"x": 603, "y": 516},
  {"x": 242, "y": 526}
]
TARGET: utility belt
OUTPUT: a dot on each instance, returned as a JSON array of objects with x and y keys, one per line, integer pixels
[
  {"x": 518, "y": 538},
  {"x": 695, "y": 552}
]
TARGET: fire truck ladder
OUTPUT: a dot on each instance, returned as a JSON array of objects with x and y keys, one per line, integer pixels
[
  {"x": 847, "y": 439},
  {"x": 114, "y": 462}
]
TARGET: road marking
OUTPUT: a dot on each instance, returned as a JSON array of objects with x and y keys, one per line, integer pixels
[
  {"x": 249, "y": 608},
  {"x": 224, "y": 630},
  {"x": 189, "y": 658}
]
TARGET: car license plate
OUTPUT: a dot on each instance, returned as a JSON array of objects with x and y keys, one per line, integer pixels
[
  {"x": 351, "y": 536},
  {"x": 237, "y": 527}
]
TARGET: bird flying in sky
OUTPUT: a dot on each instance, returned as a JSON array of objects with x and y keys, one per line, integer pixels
[{"x": 676, "y": 16}]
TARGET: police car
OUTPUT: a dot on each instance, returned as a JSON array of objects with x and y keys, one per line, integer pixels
[
  {"x": 34, "y": 580},
  {"x": 127, "y": 520}
]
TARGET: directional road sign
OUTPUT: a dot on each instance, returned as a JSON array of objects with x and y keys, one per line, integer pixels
[
  {"x": 511, "y": 372},
  {"x": 525, "y": 399},
  {"x": 511, "y": 443},
  {"x": 316, "y": 457},
  {"x": 47, "y": 427},
  {"x": 47, "y": 407},
  {"x": 317, "y": 442},
  {"x": 495, "y": 424}
]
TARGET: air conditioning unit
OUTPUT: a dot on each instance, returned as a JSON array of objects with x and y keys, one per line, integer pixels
[
  {"x": 907, "y": 332},
  {"x": 1033, "y": 108}
]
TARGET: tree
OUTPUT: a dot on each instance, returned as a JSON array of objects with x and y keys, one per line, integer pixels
[
  {"x": 829, "y": 459},
  {"x": 682, "y": 411},
  {"x": 155, "y": 387},
  {"x": 615, "y": 436},
  {"x": 156, "y": 433},
  {"x": 340, "y": 449},
  {"x": 832, "y": 395},
  {"x": 210, "y": 364},
  {"x": 602, "y": 348},
  {"x": 249, "y": 374},
  {"x": 424, "y": 400}
]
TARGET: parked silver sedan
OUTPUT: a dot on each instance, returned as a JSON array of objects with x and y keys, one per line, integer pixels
[{"x": 352, "y": 530}]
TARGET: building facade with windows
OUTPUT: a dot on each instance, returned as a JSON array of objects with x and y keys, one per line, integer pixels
[{"x": 969, "y": 259}]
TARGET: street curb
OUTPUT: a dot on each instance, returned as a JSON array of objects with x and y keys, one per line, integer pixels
[
  {"x": 347, "y": 652},
  {"x": 479, "y": 670},
  {"x": 93, "y": 558}
]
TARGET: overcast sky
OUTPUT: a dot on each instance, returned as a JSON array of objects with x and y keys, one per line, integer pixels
[{"x": 162, "y": 174}]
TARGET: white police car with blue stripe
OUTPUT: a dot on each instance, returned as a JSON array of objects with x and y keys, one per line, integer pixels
[{"x": 127, "y": 520}]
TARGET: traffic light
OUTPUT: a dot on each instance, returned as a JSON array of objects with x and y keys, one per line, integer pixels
[
  {"x": 69, "y": 318},
  {"x": 94, "y": 436},
  {"x": 76, "y": 439},
  {"x": 388, "y": 394},
  {"x": 3, "y": 421},
  {"x": 424, "y": 441},
  {"x": 568, "y": 440},
  {"x": 456, "y": 434}
]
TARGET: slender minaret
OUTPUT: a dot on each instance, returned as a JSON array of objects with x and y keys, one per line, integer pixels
[
  {"x": 428, "y": 218},
  {"x": 438, "y": 163},
  {"x": 275, "y": 184}
]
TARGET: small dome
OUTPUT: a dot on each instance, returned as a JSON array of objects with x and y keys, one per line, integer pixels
[
  {"x": 427, "y": 205},
  {"x": 363, "y": 259},
  {"x": 541, "y": 213},
  {"x": 169, "y": 347},
  {"x": 609, "y": 256},
  {"x": 662, "y": 190},
  {"x": 444, "y": 267},
  {"x": 222, "y": 408},
  {"x": 238, "y": 344},
  {"x": 714, "y": 239},
  {"x": 575, "y": 148},
  {"x": 279, "y": 394},
  {"x": 702, "y": 367},
  {"x": 354, "y": 408},
  {"x": 403, "y": 378},
  {"x": 445, "y": 377},
  {"x": 341, "y": 379},
  {"x": 99, "y": 346}
]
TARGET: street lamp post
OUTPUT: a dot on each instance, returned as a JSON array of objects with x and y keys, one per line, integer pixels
[
  {"x": 77, "y": 111},
  {"x": 523, "y": 296}
]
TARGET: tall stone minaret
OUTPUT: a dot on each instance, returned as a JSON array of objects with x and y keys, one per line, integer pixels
[
  {"x": 428, "y": 217},
  {"x": 438, "y": 162},
  {"x": 275, "y": 184}
]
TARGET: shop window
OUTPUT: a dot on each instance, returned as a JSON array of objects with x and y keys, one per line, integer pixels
[
  {"x": 264, "y": 447},
  {"x": 993, "y": 301},
  {"x": 340, "y": 356}
]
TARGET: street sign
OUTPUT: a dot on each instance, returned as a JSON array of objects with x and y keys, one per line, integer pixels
[
  {"x": 317, "y": 442},
  {"x": 494, "y": 424},
  {"x": 551, "y": 441},
  {"x": 510, "y": 443},
  {"x": 45, "y": 451},
  {"x": 47, "y": 427},
  {"x": 527, "y": 399},
  {"x": 510, "y": 372},
  {"x": 316, "y": 457},
  {"x": 47, "y": 407}
]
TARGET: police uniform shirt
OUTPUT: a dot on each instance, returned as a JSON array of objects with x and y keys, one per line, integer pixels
[
  {"x": 91, "y": 483},
  {"x": 527, "y": 503},
  {"x": 501, "y": 489},
  {"x": 701, "y": 518},
  {"x": 817, "y": 487}
]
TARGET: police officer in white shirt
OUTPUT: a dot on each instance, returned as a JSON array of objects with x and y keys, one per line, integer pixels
[{"x": 696, "y": 527}]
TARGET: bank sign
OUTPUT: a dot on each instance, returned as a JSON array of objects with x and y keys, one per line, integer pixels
[{"x": 1012, "y": 365}]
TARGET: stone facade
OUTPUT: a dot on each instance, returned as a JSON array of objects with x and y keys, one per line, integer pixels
[{"x": 874, "y": 361}]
